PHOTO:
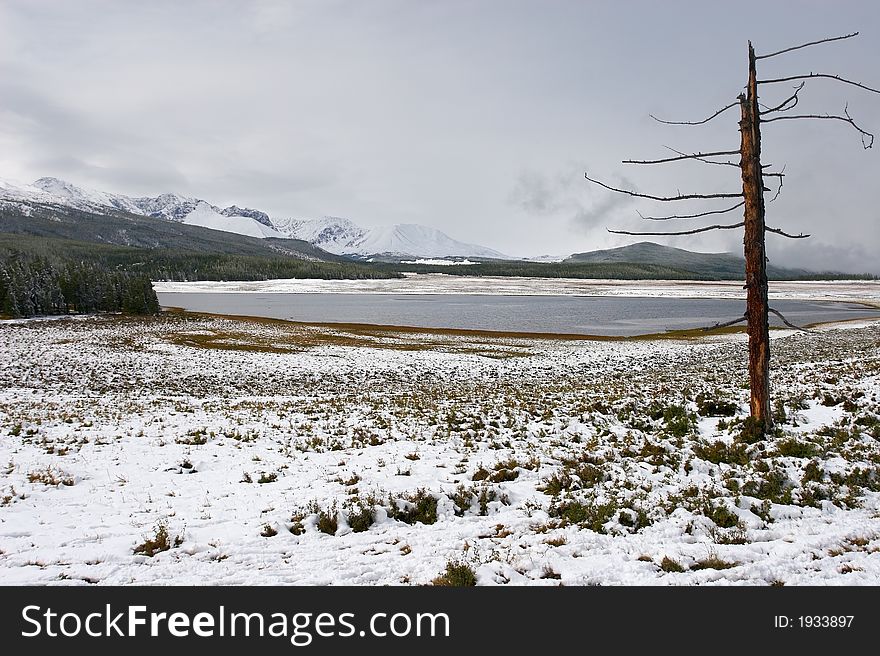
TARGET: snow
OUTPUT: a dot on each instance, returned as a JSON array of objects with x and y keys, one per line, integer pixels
[
  {"x": 171, "y": 207},
  {"x": 419, "y": 241},
  {"x": 158, "y": 420},
  {"x": 545, "y": 258},
  {"x": 16, "y": 191},
  {"x": 331, "y": 233},
  {"x": 344, "y": 237},
  {"x": 51, "y": 191},
  {"x": 206, "y": 216},
  {"x": 438, "y": 283},
  {"x": 83, "y": 197},
  {"x": 439, "y": 262}
]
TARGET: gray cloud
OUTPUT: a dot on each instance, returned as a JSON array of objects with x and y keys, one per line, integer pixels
[
  {"x": 534, "y": 193},
  {"x": 64, "y": 142},
  {"x": 457, "y": 115},
  {"x": 567, "y": 194},
  {"x": 602, "y": 212}
]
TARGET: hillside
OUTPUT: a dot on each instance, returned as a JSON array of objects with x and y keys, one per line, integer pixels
[
  {"x": 179, "y": 264},
  {"x": 56, "y": 259},
  {"x": 725, "y": 266},
  {"x": 126, "y": 229}
]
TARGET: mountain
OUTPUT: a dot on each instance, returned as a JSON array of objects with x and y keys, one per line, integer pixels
[
  {"x": 713, "y": 265},
  {"x": 31, "y": 211},
  {"x": 66, "y": 193},
  {"x": 344, "y": 237},
  {"x": 332, "y": 234},
  {"x": 207, "y": 216},
  {"x": 419, "y": 241},
  {"x": 256, "y": 215},
  {"x": 170, "y": 207}
]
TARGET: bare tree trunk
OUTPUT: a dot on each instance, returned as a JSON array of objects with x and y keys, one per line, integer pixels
[{"x": 755, "y": 254}]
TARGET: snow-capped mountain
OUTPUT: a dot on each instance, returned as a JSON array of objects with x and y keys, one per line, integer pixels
[
  {"x": 207, "y": 216},
  {"x": 333, "y": 234},
  {"x": 65, "y": 193},
  {"x": 419, "y": 241},
  {"x": 171, "y": 207},
  {"x": 256, "y": 215},
  {"x": 344, "y": 237}
]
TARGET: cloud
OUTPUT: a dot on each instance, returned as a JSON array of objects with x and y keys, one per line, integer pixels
[
  {"x": 567, "y": 193},
  {"x": 470, "y": 117},
  {"x": 533, "y": 194},
  {"x": 55, "y": 139},
  {"x": 819, "y": 255}
]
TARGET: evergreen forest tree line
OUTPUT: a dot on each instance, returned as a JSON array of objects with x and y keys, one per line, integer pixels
[{"x": 33, "y": 285}]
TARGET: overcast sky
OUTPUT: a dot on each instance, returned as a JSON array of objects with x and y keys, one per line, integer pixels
[{"x": 478, "y": 118}]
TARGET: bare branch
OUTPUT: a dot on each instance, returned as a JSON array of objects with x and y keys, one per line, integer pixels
[
  {"x": 681, "y": 157},
  {"x": 732, "y": 322},
  {"x": 786, "y": 321},
  {"x": 777, "y": 231},
  {"x": 867, "y": 137},
  {"x": 817, "y": 75},
  {"x": 707, "y": 161},
  {"x": 807, "y": 45},
  {"x": 691, "y": 216},
  {"x": 662, "y": 198},
  {"x": 778, "y": 189},
  {"x": 682, "y": 232},
  {"x": 705, "y": 120},
  {"x": 784, "y": 105}
]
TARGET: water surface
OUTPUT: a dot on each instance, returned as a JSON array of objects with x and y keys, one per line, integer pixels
[{"x": 579, "y": 315}]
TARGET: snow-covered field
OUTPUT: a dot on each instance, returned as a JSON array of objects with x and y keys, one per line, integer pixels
[
  {"x": 438, "y": 283},
  {"x": 273, "y": 453}
]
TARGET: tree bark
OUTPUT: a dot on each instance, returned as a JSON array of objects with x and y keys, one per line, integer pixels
[{"x": 755, "y": 253}]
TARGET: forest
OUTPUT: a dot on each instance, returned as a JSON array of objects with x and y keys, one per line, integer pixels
[
  {"x": 604, "y": 270},
  {"x": 33, "y": 285}
]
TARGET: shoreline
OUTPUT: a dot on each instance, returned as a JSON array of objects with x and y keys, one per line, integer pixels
[
  {"x": 390, "y": 330},
  {"x": 866, "y": 292}
]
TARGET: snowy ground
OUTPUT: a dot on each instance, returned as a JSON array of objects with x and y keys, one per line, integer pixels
[
  {"x": 274, "y": 453},
  {"x": 867, "y": 291}
]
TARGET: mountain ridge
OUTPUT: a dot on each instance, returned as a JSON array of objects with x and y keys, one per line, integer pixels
[
  {"x": 344, "y": 237},
  {"x": 336, "y": 235},
  {"x": 117, "y": 227},
  {"x": 724, "y": 264}
]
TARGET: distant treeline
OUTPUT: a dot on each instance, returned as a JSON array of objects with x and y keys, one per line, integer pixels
[
  {"x": 166, "y": 264},
  {"x": 597, "y": 270},
  {"x": 617, "y": 270},
  {"x": 185, "y": 265}
]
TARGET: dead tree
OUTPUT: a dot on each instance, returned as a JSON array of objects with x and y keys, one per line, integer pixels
[{"x": 751, "y": 199}]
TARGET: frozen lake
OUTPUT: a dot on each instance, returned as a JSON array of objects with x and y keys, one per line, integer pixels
[{"x": 579, "y": 315}]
